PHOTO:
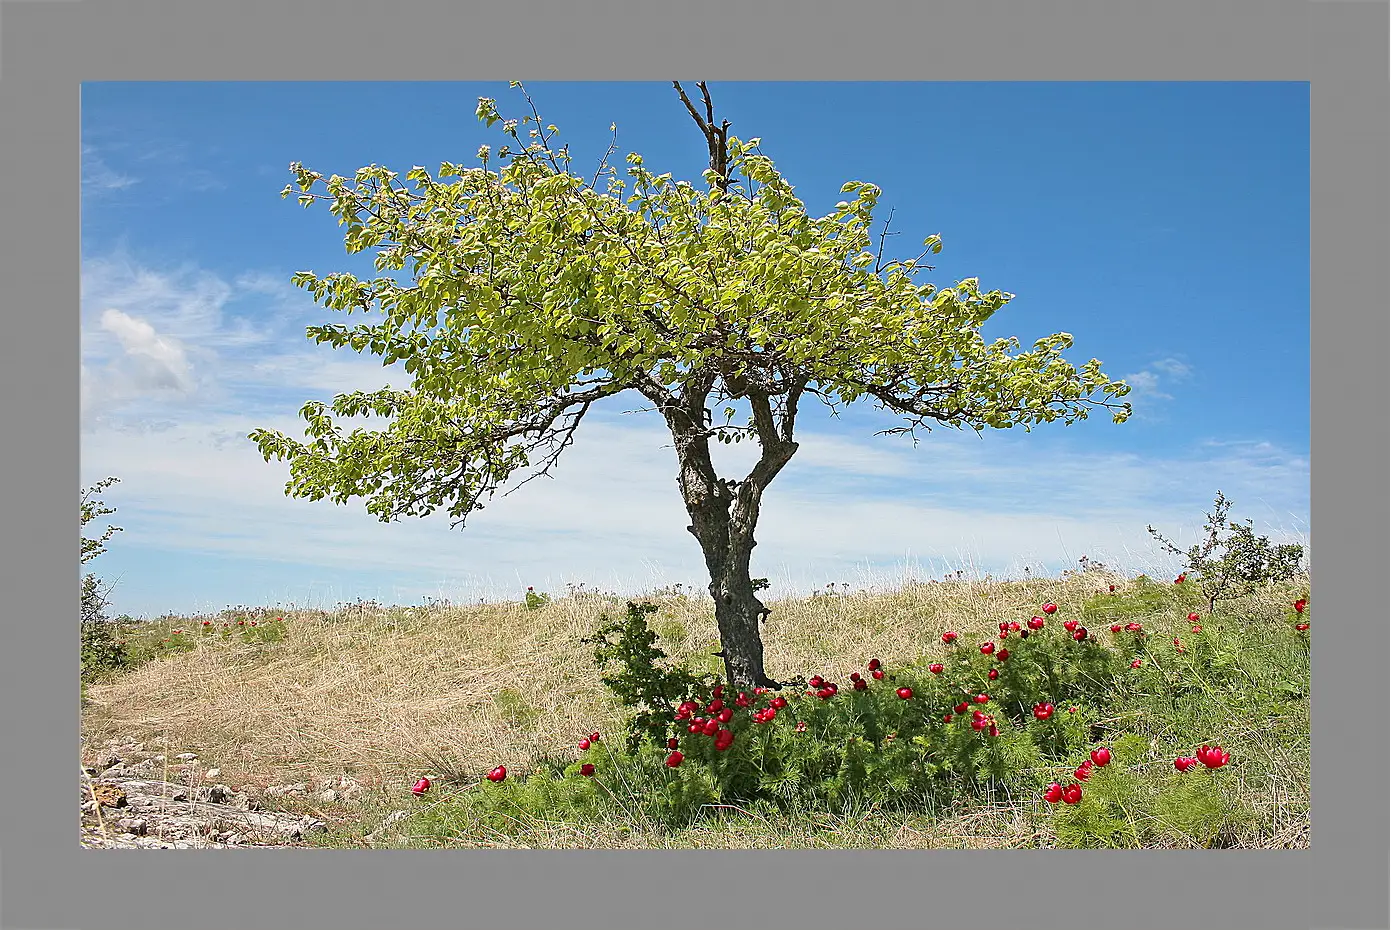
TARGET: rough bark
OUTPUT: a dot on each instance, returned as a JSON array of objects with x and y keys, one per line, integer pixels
[{"x": 723, "y": 516}]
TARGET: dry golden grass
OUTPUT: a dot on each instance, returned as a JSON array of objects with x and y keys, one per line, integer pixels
[{"x": 389, "y": 693}]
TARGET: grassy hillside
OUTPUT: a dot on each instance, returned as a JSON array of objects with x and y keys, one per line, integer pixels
[{"x": 386, "y": 695}]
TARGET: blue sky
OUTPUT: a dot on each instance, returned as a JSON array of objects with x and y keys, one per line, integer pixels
[{"x": 1164, "y": 225}]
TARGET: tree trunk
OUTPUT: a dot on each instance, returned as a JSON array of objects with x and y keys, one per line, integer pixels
[{"x": 724, "y": 524}]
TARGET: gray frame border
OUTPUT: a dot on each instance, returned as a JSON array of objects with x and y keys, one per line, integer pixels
[{"x": 47, "y": 49}]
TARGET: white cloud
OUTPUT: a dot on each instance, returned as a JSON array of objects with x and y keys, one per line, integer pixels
[{"x": 159, "y": 361}]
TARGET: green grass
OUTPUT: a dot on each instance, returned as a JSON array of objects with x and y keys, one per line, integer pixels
[{"x": 389, "y": 694}]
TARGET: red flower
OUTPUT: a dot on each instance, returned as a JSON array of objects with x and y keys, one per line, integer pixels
[
  {"x": 1197, "y": 628},
  {"x": 1101, "y": 756},
  {"x": 861, "y": 684},
  {"x": 946, "y": 718},
  {"x": 936, "y": 668},
  {"x": 1070, "y": 625},
  {"x": 674, "y": 760},
  {"x": 904, "y": 693},
  {"x": 1050, "y": 608},
  {"x": 949, "y": 637},
  {"x": 594, "y": 737},
  {"x": 498, "y": 774},
  {"x": 1043, "y": 711},
  {"x": 1080, "y": 634},
  {"x": 718, "y": 690},
  {"x": 1301, "y": 627},
  {"x": 987, "y": 648},
  {"x": 962, "y": 707},
  {"x": 779, "y": 702},
  {"x": 1133, "y": 627},
  {"x": 1015, "y": 626},
  {"x": 723, "y": 740},
  {"x": 584, "y": 744},
  {"x": 1035, "y": 623},
  {"x": 854, "y": 676},
  {"x": 874, "y": 664},
  {"x": 982, "y": 698},
  {"x": 1072, "y": 794},
  {"x": 1299, "y": 605},
  {"x": 421, "y": 787},
  {"x": 673, "y": 743},
  {"x": 825, "y": 693},
  {"x": 1054, "y": 794},
  {"x": 1136, "y": 663},
  {"x": 711, "y": 726},
  {"x": 717, "y": 705},
  {"x": 993, "y": 674},
  {"x": 1181, "y": 578},
  {"x": 1184, "y": 763},
  {"x": 878, "y": 674},
  {"x": 1213, "y": 756},
  {"x": 1115, "y": 628},
  {"x": 1193, "y": 618},
  {"x": 801, "y": 726},
  {"x": 1072, "y": 709},
  {"x": 1084, "y": 771},
  {"x": 1113, "y": 589},
  {"x": 693, "y": 728},
  {"x": 725, "y": 715},
  {"x": 816, "y": 681},
  {"x": 587, "y": 769},
  {"x": 742, "y": 700},
  {"x": 994, "y": 730},
  {"x": 1002, "y": 655}
]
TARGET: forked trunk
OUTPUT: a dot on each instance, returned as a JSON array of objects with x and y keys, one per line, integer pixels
[{"x": 727, "y": 548}]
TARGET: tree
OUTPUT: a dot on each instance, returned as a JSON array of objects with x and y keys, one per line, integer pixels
[
  {"x": 535, "y": 293},
  {"x": 101, "y": 645},
  {"x": 1238, "y": 564}
]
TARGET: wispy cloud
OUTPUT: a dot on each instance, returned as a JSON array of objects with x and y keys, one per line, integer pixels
[
  {"x": 1146, "y": 382},
  {"x": 98, "y": 176}
]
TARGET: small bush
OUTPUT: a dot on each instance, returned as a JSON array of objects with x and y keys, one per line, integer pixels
[{"x": 1238, "y": 563}]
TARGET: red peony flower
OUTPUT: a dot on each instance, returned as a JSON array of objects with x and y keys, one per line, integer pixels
[
  {"x": 421, "y": 787},
  {"x": 1184, "y": 763},
  {"x": 1080, "y": 633},
  {"x": 587, "y": 769},
  {"x": 1035, "y": 623},
  {"x": 987, "y": 648},
  {"x": 1115, "y": 628},
  {"x": 962, "y": 707},
  {"x": 1072, "y": 794},
  {"x": 949, "y": 637},
  {"x": 584, "y": 744},
  {"x": 878, "y": 674},
  {"x": 936, "y": 668},
  {"x": 1136, "y": 663},
  {"x": 904, "y": 693},
  {"x": 674, "y": 760},
  {"x": 673, "y": 743},
  {"x": 1050, "y": 608},
  {"x": 1054, "y": 794},
  {"x": 993, "y": 674},
  {"x": 874, "y": 664},
  {"x": 1301, "y": 627},
  {"x": 1193, "y": 618},
  {"x": 1213, "y": 756},
  {"x": 1299, "y": 605},
  {"x": 1070, "y": 625},
  {"x": 1043, "y": 711},
  {"x": 1101, "y": 756},
  {"x": 1002, "y": 655},
  {"x": 982, "y": 698},
  {"x": 498, "y": 774}
]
